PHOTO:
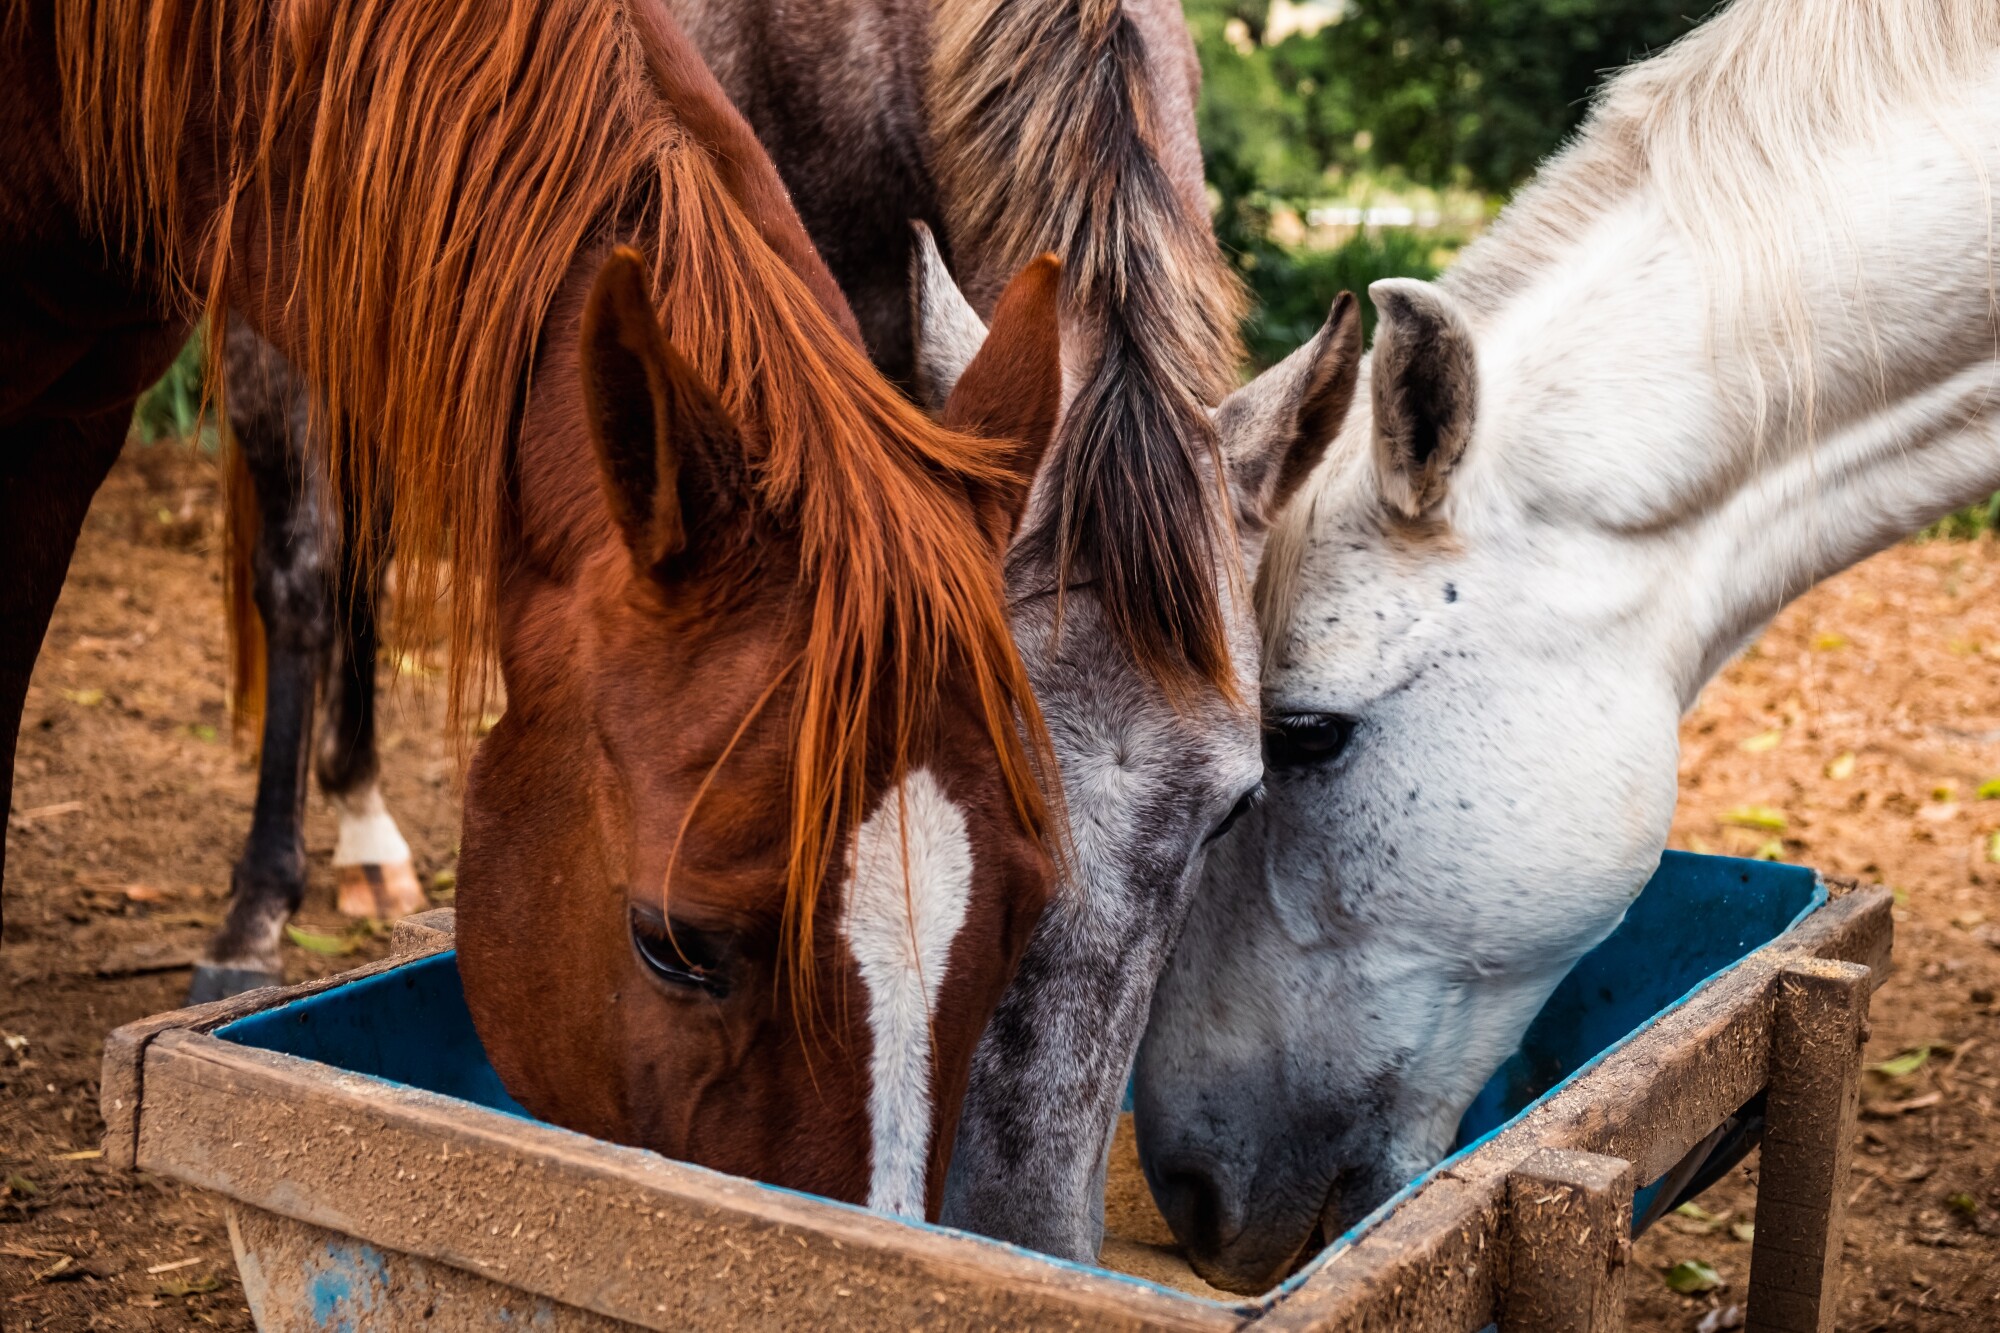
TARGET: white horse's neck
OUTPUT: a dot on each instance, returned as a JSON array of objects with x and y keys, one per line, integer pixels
[
  {"x": 1626, "y": 407},
  {"x": 1562, "y": 514}
]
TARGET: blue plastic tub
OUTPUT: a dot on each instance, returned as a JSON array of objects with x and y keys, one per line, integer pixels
[{"x": 1697, "y": 917}]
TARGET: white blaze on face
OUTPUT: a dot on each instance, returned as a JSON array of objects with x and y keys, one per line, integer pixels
[
  {"x": 905, "y": 905},
  {"x": 368, "y": 835}
]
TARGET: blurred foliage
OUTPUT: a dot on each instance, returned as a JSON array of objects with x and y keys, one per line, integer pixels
[
  {"x": 1295, "y": 286},
  {"x": 1447, "y": 91},
  {"x": 1966, "y": 525},
  {"x": 1393, "y": 95},
  {"x": 172, "y": 408}
]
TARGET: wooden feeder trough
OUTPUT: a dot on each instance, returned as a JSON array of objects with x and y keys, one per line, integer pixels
[{"x": 378, "y": 1176}]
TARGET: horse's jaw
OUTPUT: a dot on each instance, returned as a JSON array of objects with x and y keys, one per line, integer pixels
[{"x": 1288, "y": 1086}]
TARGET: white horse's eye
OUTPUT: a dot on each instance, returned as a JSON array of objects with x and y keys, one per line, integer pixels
[{"x": 1300, "y": 740}]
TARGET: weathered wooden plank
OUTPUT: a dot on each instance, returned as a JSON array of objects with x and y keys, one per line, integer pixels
[
  {"x": 616, "y": 1231},
  {"x": 423, "y": 932},
  {"x": 1660, "y": 1096},
  {"x": 1856, "y": 926},
  {"x": 122, "y": 1073},
  {"x": 300, "y": 1278},
  {"x": 1431, "y": 1266},
  {"x": 1708, "y": 1059},
  {"x": 1821, "y": 1021},
  {"x": 1568, "y": 1229}
]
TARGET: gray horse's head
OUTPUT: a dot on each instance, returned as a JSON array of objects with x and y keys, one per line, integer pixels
[{"x": 1150, "y": 776}]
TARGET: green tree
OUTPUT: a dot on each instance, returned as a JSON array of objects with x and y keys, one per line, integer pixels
[
  {"x": 1442, "y": 93},
  {"x": 1448, "y": 91},
  {"x": 1489, "y": 87}
]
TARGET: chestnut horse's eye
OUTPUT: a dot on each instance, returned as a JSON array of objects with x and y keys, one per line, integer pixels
[
  {"x": 1300, "y": 740},
  {"x": 683, "y": 955}
]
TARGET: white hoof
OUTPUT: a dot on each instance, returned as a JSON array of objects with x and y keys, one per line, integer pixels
[
  {"x": 371, "y": 862},
  {"x": 379, "y": 892}
]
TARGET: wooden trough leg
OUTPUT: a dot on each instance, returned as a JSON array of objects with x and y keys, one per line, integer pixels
[
  {"x": 1569, "y": 1243},
  {"x": 1816, "y": 1039}
]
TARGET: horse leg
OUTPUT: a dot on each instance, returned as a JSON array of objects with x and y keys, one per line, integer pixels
[
  {"x": 371, "y": 861},
  {"x": 268, "y": 418},
  {"x": 48, "y": 472}
]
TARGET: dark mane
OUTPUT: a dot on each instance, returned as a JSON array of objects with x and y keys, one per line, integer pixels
[
  {"x": 435, "y": 172},
  {"x": 1046, "y": 125}
]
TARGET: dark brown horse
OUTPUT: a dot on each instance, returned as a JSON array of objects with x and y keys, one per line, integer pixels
[
  {"x": 304, "y": 637},
  {"x": 751, "y": 855}
]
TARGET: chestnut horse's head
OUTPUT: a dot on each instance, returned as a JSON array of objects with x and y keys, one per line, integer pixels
[
  {"x": 754, "y": 850},
  {"x": 752, "y": 855}
]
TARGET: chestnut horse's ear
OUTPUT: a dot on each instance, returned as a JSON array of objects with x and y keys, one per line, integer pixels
[
  {"x": 666, "y": 446},
  {"x": 1012, "y": 390}
]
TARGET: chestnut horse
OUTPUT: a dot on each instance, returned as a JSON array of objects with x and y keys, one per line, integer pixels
[
  {"x": 761, "y": 834},
  {"x": 303, "y": 636}
]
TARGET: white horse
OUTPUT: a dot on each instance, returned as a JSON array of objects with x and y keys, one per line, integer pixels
[{"x": 1739, "y": 336}]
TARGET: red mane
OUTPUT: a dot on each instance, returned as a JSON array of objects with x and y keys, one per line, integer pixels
[{"x": 433, "y": 173}]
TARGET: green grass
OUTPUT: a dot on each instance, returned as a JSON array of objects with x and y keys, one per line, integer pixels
[
  {"x": 1966, "y": 525},
  {"x": 171, "y": 409}
]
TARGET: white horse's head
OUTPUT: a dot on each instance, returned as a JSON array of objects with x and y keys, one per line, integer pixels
[
  {"x": 1742, "y": 335},
  {"x": 1469, "y": 770}
]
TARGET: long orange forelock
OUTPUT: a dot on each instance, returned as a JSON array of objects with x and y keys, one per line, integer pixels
[{"x": 902, "y": 587}]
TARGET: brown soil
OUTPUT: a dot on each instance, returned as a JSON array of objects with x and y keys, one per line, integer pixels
[
  {"x": 1869, "y": 717},
  {"x": 130, "y": 804}
]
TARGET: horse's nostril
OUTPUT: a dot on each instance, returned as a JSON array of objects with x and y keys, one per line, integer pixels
[{"x": 1195, "y": 1207}]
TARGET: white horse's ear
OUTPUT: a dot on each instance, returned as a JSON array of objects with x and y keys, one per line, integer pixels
[
  {"x": 1276, "y": 428},
  {"x": 946, "y": 332},
  {"x": 1424, "y": 382}
]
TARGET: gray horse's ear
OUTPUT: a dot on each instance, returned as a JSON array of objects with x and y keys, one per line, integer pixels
[
  {"x": 1275, "y": 429},
  {"x": 946, "y": 332},
  {"x": 1424, "y": 383}
]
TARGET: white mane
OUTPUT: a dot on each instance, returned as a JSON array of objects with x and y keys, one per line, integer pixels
[{"x": 1731, "y": 128}]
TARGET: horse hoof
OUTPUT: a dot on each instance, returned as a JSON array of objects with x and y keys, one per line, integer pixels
[
  {"x": 380, "y": 892},
  {"x": 213, "y": 981}
]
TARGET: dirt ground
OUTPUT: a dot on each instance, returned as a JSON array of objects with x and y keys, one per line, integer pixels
[
  {"x": 1866, "y": 721},
  {"x": 130, "y": 804}
]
